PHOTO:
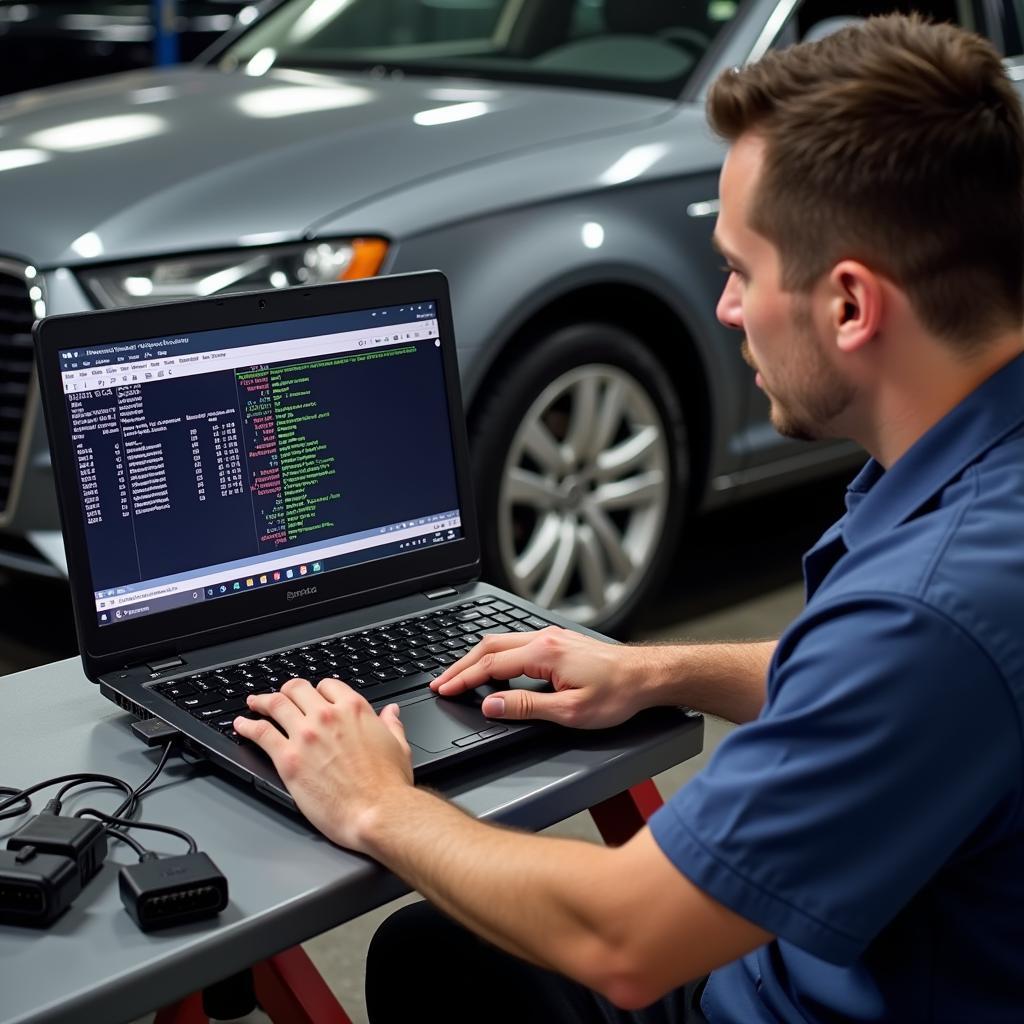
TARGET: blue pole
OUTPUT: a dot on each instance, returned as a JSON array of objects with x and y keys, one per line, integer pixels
[{"x": 165, "y": 36}]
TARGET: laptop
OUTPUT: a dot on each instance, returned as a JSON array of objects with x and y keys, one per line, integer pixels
[{"x": 269, "y": 485}]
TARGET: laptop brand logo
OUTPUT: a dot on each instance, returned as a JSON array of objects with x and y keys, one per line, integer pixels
[{"x": 294, "y": 595}]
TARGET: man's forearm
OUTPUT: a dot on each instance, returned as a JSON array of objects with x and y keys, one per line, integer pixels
[
  {"x": 727, "y": 680},
  {"x": 624, "y": 921},
  {"x": 539, "y": 898}
]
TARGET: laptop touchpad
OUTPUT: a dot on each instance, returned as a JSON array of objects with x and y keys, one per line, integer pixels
[{"x": 434, "y": 725}]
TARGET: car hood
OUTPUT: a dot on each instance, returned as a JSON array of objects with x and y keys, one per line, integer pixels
[{"x": 194, "y": 158}]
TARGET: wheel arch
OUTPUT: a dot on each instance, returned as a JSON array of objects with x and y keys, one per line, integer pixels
[{"x": 640, "y": 311}]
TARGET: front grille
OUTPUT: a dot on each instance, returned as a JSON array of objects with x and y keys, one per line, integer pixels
[{"x": 16, "y": 316}]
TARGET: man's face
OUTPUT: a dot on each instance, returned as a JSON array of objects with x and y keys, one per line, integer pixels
[{"x": 782, "y": 341}]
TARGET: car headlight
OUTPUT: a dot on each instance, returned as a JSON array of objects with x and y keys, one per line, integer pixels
[{"x": 240, "y": 270}]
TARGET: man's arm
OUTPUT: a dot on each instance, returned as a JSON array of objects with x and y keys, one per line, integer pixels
[
  {"x": 623, "y": 921},
  {"x": 726, "y": 680},
  {"x": 599, "y": 684}
]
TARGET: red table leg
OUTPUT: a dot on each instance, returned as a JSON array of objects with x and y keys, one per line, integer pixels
[
  {"x": 291, "y": 991},
  {"x": 188, "y": 1011},
  {"x": 620, "y": 817},
  {"x": 289, "y": 988}
]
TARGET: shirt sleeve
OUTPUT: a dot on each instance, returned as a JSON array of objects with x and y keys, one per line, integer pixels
[{"x": 887, "y": 738}]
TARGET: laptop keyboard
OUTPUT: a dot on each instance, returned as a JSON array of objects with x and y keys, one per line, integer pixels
[{"x": 380, "y": 663}]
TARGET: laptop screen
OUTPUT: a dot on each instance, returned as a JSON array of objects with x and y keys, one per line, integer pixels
[{"x": 221, "y": 462}]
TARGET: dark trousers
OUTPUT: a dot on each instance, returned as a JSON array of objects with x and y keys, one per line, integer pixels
[{"x": 423, "y": 966}]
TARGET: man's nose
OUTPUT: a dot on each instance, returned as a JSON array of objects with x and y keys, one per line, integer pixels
[{"x": 729, "y": 310}]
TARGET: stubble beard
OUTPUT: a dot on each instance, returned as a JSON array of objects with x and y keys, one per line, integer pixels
[{"x": 819, "y": 394}]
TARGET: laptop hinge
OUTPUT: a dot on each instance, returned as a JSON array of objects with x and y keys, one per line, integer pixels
[
  {"x": 435, "y": 595},
  {"x": 162, "y": 666}
]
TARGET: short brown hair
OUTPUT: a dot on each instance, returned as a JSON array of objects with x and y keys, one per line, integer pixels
[{"x": 899, "y": 143}]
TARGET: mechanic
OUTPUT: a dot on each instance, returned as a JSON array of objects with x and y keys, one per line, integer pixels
[{"x": 853, "y": 851}]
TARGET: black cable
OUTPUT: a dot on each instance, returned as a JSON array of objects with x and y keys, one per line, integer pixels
[
  {"x": 116, "y": 833},
  {"x": 20, "y": 797},
  {"x": 81, "y": 779},
  {"x": 131, "y": 803},
  {"x": 58, "y": 800},
  {"x": 127, "y": 808},
  {"x": 109, "y": 819},
  {"x": 18, "y": 803},
  {"x": 24, "y": 808}
]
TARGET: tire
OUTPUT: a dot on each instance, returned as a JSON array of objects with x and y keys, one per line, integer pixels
[{"x": 581, "y": 462}]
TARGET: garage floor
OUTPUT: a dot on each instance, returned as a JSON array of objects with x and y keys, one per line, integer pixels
[{"x": 737, "y": 576}]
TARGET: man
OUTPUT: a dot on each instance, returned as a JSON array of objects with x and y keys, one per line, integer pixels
[{"x": 854, "y": 851}]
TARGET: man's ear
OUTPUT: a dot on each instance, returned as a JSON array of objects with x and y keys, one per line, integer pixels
[{"x": 856, "y": 304}]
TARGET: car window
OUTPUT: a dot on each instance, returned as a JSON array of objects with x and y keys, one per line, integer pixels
[
  {"x": 1008, "y": 16},
  {"x": 814, "y": 19},
  {"x": 635, "y": 45},
  {"x": 389, "y": 23}
]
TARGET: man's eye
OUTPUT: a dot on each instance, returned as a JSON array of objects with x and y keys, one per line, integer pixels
[{"x": 727, "y": 269}]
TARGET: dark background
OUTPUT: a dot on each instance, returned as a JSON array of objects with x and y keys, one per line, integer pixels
[{"x": 51, "y": 41}]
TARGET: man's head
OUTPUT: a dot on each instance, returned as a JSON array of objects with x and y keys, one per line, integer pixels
[{"x": 886, "y": 159}]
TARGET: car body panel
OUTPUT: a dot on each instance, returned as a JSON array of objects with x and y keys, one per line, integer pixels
[
  {"x": 495, "y": 290},
  {"x": 672, "y": 142},
  {"x": 212, "y": 151}
]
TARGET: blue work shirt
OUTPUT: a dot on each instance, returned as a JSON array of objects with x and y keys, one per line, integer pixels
[{"x": 871, "y": 816}]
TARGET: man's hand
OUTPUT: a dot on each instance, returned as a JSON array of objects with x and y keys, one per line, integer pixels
[
  {"x": 596, "y": 684},
  {"x": 337, "y": 758}
]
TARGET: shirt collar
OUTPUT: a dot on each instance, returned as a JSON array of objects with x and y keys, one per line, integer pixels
[{"x": 878, "y": 499}]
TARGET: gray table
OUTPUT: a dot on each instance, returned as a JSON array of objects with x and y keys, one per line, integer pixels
[{"x": 287, "y": 883}]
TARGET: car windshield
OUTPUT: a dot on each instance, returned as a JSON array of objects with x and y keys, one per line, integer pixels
[{"x": 646, "y": 46}]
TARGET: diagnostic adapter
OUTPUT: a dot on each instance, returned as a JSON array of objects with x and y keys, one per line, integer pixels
[
  {"x": 36, "y": 888},
  {"x": 162, "y": 891},
  {"x": 80, "y": 839}
]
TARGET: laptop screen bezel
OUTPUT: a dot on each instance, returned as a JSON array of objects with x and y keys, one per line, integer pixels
[{"x": 174, "y": 632}]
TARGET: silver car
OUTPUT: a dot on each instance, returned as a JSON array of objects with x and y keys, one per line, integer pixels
[{"x": 550, "y": 156}]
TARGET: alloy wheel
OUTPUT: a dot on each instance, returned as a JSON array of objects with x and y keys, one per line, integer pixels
[{"x": 584, "y": 493}]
